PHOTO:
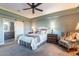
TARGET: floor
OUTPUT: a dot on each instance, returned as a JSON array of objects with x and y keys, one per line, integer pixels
[
  {"x": 9, "y": 40},
  {"x": 47, "y": 49}
]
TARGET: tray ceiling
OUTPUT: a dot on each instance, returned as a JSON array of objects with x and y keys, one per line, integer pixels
[{"x": 46, "y": 7}]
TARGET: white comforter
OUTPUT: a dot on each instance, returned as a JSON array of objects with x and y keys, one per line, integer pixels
[{"x": 34, "y": 39}]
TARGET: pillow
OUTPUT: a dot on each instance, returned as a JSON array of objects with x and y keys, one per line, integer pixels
[
  {"x": 43, "y": 31},
  {"x": 69, "y": 38},
  {"x": 65, "y": 34},
  {"x": 77, "y": 36},
  {"x": 74, "y": 35}
]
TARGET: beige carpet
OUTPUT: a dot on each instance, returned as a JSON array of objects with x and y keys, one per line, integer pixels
[{"x": 73, "y": 53}]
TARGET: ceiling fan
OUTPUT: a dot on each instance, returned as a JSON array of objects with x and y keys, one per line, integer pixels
[{"x": 33, "y": 6}]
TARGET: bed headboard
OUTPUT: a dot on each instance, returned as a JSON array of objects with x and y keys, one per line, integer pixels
[{"x": 42, "y": 30}]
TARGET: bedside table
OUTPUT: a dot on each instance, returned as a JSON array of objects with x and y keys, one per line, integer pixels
[{"x": 52, "y": 38}]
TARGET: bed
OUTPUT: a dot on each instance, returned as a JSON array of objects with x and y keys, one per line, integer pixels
[{"x": 35, "y": 39}]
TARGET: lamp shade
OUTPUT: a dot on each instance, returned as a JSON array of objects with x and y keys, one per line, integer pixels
[
  {"x": 34, "y": 29},
  {"x": 77, "y": 27}
]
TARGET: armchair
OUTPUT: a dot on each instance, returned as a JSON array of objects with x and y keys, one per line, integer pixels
[
  {"x": 69, "y": 41},
  {"x": 65, "y": 43}
]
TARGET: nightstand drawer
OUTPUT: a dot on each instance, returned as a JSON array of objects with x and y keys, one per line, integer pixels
[{"x": 52, "y": 38}]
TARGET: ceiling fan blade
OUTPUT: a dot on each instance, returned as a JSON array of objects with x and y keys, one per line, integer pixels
[
  {"x": 38, "y": 4},
  {"x": 26, "y": 8},
  {"x": 29, "y": 4},
  {"x": 38, "y": 9}
]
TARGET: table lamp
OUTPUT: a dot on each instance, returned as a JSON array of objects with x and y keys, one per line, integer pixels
[{"x": 33, "y": 29}]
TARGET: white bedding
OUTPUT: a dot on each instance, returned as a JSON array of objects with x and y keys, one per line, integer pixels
[{"x": 34, "y": 39}]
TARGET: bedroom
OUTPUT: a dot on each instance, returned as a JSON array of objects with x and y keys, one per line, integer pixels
[{"x": 60, "y": 19}]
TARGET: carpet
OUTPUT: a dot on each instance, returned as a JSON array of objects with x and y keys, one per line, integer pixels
[{"x": 47, "y": 49}]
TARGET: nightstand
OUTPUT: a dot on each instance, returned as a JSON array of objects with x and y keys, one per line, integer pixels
[{"x": 52, "y": 38}]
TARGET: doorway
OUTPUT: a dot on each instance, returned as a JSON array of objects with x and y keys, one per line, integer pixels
[{"x": 8, "y": 31}]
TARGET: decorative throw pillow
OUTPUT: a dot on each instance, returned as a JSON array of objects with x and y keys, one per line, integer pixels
[
  {"x": 74, "y": 35},
  {"x": 77, "y": 36}
]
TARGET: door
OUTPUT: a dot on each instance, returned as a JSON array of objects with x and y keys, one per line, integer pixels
[
  {"x": 19, "y": 28},
  {"x": 8, "y": 30}
]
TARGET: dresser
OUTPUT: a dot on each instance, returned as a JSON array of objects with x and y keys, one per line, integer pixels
[{"x": 52, "y": 38}]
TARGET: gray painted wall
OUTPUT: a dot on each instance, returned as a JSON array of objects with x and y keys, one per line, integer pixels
[{"x": 60, "y": 24}]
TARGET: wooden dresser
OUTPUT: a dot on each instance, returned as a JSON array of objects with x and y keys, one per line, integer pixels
[{"x": 52, "y": 38}]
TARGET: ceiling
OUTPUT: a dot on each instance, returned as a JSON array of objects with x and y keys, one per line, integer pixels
[{"x": 46, "y": 7}]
